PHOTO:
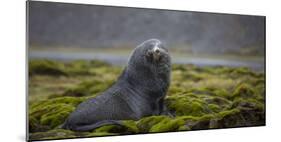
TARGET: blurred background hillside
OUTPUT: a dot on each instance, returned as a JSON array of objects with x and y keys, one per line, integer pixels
[{"x": 70, "y": 31}]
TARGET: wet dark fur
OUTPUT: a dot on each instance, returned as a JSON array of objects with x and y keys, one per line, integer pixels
[{"x": 138, "y": 92}]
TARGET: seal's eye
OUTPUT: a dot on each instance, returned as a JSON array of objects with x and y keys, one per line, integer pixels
[{"x": 148, "y": 53}]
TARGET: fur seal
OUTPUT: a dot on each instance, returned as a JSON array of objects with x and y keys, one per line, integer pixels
[{"x": 138, "y": 92}]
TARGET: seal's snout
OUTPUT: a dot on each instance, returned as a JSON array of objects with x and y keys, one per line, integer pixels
[
  {"x": 156, "y": 53},
  {"x": 156, "y": 50}
]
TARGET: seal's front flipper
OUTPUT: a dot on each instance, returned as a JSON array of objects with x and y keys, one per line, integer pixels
[{"x": 96, "y": 125}]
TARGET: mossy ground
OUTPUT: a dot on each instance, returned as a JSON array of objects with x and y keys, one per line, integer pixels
[{"x": 200, "y": 98}]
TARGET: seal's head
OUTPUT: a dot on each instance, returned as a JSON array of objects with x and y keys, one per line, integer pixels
[
  {"x": 150, "y": 53},
  {"x": 149, "y": 60}
]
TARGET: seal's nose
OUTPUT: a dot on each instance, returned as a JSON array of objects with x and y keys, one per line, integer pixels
[
  {"x": 156, "y": 53},
  {"x": 157, "y": 50}
]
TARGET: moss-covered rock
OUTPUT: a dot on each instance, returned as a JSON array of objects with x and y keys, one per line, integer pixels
[
  {"x": 53, "y": 134},
  {"x": 46, "y": 67},
  {"x": 88, "y": 88},
  {"x": 168, "y": 125},
  {"x": 146, "y": 123},
  {"x": 55, "y": 68},
  {"x": 131, "y": 126},
  {"x": 51, "y": 113},
  {"x": 244, "y": 91},
  {"x": 214, "y": 107},
  {"x": 199, "y": 98},
  {"x": 83, "y": 67},
  {"x": 175, "y": 90},
  {"x": 187, "y": 104},
  {"x": 111, "y": 129},
  {"x": 127, "y": 127},
  {"x": 98, "y": 134}
]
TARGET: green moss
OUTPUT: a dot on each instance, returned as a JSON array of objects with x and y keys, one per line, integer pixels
[
  {"x": 231, "y": 118},
  {"x": 195, "y": 76},
  {"x": 223, "y": 119},
  {"x": 127, "y": 127},
  {"x": 201, "y": 90},
  {"x": 146, "y": 123},
  {"x": 200, "y": 98},
  {"x": 244, "y": 71},
  {"x": 131, "y": 125},
  {"x": 74, "y": 101},
  {"x": 88, "y": 88},
  {"x": 46, "y": 67},
  {"x": 111, "y": 129},
  {"x": 220, "y": 101},
  {"x": 82, "y": 67},
  {"x": 249, "y": 103},
  {"x": 77, "y": 67},
  {"x": 194, "y": 123},
  {"x": 244, "y": 90},
  {"x": 98, "y": 63},
  {"x": 214, "y": 108},
  {"x": 181, "y": 67},
  {"x": 221, "y": 93},
  {"x": 197, "y": 104},
  {"x": 35, "y": 126},
  {"x": 184, "y": 128},
  {"x": 260, "y": 91},
  {"x": 53, "y": 134},
  {"x": 110, "y": 71},
  {"x": 209, "y": 91},
  {"x": 161, "y": 124},
  {"x": 228, "y": 112},
  {"x": 96, "y": 134},
  {"x": 219, "y": 70},
  {"x": 53, "y": 112},
  {"x": 56, "y": 114},
  {"x": 167, "y": 125},
  {"x": 186, "y": 104},
  {"x": 175, "y": 90},
  {"x": 241, "y": 116}
]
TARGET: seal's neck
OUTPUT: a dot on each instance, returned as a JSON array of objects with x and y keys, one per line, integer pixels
[{"x": 147, "y": 77}]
